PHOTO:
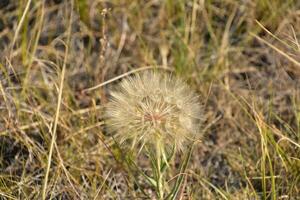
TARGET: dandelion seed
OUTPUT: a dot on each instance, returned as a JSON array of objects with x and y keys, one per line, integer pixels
[{"x": 153, "y": 106}]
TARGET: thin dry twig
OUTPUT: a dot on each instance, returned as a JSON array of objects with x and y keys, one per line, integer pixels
[{"x": 124, "y": 75}]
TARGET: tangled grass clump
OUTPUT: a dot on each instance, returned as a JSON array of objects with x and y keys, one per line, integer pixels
[{"x": 154, "y": 107}]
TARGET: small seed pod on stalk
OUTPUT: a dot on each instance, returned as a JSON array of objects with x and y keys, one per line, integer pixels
[{"x": 157, "y": 111}]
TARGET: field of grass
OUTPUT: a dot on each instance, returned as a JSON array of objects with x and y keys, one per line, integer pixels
[{"x": 58, "y": 61}]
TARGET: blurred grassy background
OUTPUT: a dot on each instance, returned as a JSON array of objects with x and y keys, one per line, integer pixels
[{"x": 241, "y": 56}]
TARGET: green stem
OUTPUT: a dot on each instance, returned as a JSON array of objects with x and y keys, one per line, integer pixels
[{"x": 159, "y": 177}]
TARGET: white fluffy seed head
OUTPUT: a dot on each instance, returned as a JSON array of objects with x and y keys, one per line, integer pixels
[{"x": 153, "y": 106}]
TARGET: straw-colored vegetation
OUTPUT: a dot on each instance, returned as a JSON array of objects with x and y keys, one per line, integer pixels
[{"x": 59, "y": 59}]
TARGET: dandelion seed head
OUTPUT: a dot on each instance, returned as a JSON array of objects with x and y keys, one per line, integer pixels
[{"x": 153, "y": 106}]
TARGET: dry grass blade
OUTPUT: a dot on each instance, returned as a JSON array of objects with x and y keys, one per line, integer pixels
[
  {"x": 53, "y": 132},
  {"x": 124, "y": 75},
  {"x": 20, "y": 25},
  {"x": 101, "y": 186},
  {"x": 294, "y": 61}
]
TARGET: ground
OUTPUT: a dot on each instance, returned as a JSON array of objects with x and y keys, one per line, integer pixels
[{"x": 241, "y": 57}]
